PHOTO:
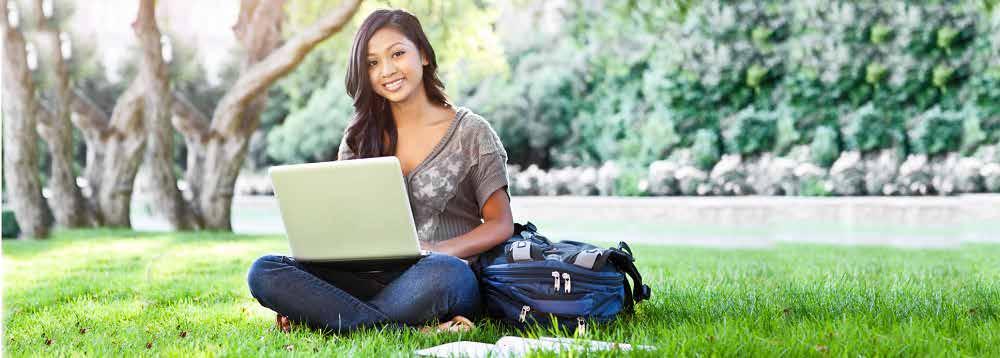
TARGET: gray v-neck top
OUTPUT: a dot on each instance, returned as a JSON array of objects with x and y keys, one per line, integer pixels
[{"x": 448, "y": 189}]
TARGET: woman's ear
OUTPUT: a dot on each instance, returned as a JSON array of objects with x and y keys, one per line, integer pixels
[{"x": 423, "y": 60}]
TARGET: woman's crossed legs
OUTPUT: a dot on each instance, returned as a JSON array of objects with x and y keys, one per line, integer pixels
[{"x": 435, "y": 288}]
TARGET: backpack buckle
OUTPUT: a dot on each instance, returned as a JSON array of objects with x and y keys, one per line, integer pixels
[{"x": 521, "y": 251}]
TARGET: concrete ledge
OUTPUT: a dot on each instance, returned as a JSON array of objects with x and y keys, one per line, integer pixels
[
  {"x": 743, "y": 221},
  {"x": 753, "y": 220}
]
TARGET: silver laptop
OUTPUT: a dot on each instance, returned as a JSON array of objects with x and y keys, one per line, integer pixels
[{"x": 346, "y": 211}]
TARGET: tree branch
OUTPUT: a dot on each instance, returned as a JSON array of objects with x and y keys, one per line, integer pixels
[
  {"x": 188, "y": 119},
  {"x": 263, "y": 74},
  {"x": 90, "y": 117},
  {"x": 127, "y": 114}
]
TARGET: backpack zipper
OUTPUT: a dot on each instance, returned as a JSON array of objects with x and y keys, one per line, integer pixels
[
  {"x": 555, "y": 276},
  {"x": 533, "y": 273},
  {"x": 565, "y": 276},
  {"x": 524, "y": 313}
]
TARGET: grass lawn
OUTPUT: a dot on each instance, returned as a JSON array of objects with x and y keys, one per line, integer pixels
[{"x": 125, "y": 293}]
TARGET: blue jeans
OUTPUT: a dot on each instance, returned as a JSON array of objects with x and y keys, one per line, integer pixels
[{"x": 324, "y": 296}]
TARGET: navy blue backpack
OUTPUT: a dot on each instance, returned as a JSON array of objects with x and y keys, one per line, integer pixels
[{"x": 529, "y": 279}]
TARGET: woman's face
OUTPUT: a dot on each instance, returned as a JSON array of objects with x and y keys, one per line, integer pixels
[{"x": 395, "y": 66}]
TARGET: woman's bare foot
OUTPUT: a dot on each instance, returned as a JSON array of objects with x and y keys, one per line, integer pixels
[
  {"x": 456, "y": 324},
  {"x": 283, "y": 323}
]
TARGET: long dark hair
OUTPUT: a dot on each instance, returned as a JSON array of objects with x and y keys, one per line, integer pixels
[{"x": 372, "y": 115}]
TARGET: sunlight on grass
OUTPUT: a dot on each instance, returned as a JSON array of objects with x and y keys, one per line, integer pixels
[{"x": 116, "y": 293}]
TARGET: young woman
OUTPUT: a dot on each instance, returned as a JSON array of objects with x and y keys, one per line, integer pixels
[{"x": 454, "y": 167}]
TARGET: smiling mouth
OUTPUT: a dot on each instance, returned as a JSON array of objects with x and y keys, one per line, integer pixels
[{"x": 394, "y": 85}]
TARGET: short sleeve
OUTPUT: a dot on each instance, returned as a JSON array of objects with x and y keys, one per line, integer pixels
[
  {"x": 490, "y": 174},
  {"x": 344, "y": 152},
  {"x": 490, "y": 170}
]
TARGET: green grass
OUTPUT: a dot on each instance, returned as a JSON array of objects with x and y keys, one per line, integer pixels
[{"x": 128, "y": 289}]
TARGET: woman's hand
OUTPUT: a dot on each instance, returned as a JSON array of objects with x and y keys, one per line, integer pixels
[
  {"x": 427, "y": 246},
  {"x": 497, "y": 227}
]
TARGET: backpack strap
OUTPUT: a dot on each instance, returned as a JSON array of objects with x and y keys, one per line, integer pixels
[
  {"x": 622, "y": 258},
  {"x": 523, "y": 250},
  {"x": 528, "y": 226},
  {"x": 528, "y": 231}
]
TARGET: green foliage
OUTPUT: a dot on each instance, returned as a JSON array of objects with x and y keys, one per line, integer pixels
[
  {"x": 705, "y": 149},
  {"x": 813, "y": 187},
  {"x": 935, "y": 131},
  {"x": 641, "y": 82},
  {"x": 985, "y": 91},
  {"x": 10, "y": 227},
  {"x": 650, "y": 139},
  {"x": 869, "y": 128},
  {"x": 628, "y": 182},
  {"x": 824, "y": 149},
  {"x": 536, "y": 117},
  {"x": 315, "y": 132},
  {"x": 787, "y": 135},
  {"x": 749, "y": 131},
  {"x": 972, "y": 131}
]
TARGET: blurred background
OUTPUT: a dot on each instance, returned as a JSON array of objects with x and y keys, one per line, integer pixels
[{"x": 762, "y": 105}]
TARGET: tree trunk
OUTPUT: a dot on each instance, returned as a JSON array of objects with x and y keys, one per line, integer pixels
[
  {"x": 123, "y": 146},
  {"x": 93, "y": 122},
  {"x": 159, "y": 134},
  {"x": 193, "y": 126},
  {"x": 54, "y": 125},
  {"x": 20, "y": 157},
  {"x": 237, "y": 115}
]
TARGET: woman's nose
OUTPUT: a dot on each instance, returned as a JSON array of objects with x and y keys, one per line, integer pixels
[{"x": 388, "y": 68}]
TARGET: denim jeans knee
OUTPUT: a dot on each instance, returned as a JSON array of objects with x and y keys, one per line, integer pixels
[
  {"x": 452, "y": 279},
  {"x": 260, "y": 276}
]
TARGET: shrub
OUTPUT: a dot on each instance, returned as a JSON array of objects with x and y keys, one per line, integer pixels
[
  {"x": 584, "y": 183},
  {"x": 868, "y": 129},
  {"x": 814, "y": 187},
  {"x": 314, "y": 132},
  {"x": 770, "y": 175},
  {"x": 692, "y": 181},
  {"x": 991, "y": 177},
  {"x": 824, "y": 148},
  {"x": 10, "y": 228},
  {"x": 729, "y": 177},
  {"x": 607, "y": 178},
  {"x": 529, "y": 181},
  {"x": 557, "y": 181},
  {"x": 662, "y": 180},
  {"x": 848, "y": 174},
  {"x": 880, "y": 171},
  {"x": 915, "y": 176},
  {"x": 651, "y": 139},
  {"x": 787, "y": 135},
  {"x": 631, "y": 181},
  {"x": 705, "y": 150},
  {"x": 935, "y": 131},
  {"x": 973, "y": 134},
  {"x": 812, "y": 180},
  {"x": 749, "y": 132}
]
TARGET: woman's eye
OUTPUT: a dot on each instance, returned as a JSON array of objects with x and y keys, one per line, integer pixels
[
  {"x": 398, "y": 53},
  {"x": 372, "y": 63}
]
